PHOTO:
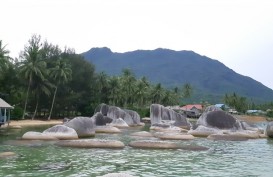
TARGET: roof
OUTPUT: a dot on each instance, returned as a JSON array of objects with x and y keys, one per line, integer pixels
[
  {"x": 4, "y": 104},
  {"x": 191, "y": 106}
]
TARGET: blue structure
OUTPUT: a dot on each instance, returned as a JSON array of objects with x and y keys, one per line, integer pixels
[{"x": 4, "y": 112}]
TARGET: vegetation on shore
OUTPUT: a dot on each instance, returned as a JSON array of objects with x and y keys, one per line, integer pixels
[
  {"x": 48, "y": 82},
  {"x": 45, "y": 81}
]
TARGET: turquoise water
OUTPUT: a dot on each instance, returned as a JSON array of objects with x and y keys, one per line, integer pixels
[{"x": 224, "y": 158}]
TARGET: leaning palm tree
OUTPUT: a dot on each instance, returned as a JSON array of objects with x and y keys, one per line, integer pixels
[
  {"x": 40, "y": 87},
  {"x": 61, "y": 74},
  {"x": 32, "y": 64}
]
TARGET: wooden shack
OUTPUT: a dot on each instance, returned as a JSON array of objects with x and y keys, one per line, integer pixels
[{"x": 4, "y": 112}]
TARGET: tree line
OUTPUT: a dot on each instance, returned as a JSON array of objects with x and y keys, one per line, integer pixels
[{"x": 49, "y": 82}]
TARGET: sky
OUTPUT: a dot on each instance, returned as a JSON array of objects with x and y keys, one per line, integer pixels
[{"x": 238, "y": 33}]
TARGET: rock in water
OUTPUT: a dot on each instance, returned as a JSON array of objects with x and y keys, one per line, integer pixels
[
  {"x": 61, "y": 132},
  {"x": 155, "y": 114},
  {"x": 7, "y": 154},
  {"x": 37, "y": 136},
  {"x": 154, "y": 144},
  {"x": 91, "y": 143},
  {"x": 102, "y": 108},
  {"x": 269, "y": 130},
  {"x": 101, "y": 120},
  {"x": 160, "y": 115},
  {"x": 213, "y": 117},
  {"x": 132, "y": 118},
  {"x": 84, "y": 126},
  {"x": 120, "y": 123}
]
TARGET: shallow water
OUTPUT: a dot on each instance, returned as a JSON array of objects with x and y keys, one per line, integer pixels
[{"x": 224, "y": 158}]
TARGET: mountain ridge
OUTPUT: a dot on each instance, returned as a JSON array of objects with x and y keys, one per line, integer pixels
[{"x": 175, "y": 68}]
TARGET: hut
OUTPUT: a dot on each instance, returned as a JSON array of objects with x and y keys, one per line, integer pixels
[{"x": 4, "y": 112}]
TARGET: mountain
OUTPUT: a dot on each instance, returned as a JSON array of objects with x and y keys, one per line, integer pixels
[{"x": 210, "y": 78}]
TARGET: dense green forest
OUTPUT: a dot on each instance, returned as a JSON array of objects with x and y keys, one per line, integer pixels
[
  {"x": 209, "y": 78},
  {"x": 47, "y": 82}
]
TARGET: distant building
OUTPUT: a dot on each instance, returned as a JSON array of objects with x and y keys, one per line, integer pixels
[
  {"x": 222, "y": 106},
  {"x": 4, "y": 112},
  {"x": 192, "y": 110}
]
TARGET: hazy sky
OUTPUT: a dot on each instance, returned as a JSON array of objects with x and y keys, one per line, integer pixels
[{"x": 239, "y": 33}]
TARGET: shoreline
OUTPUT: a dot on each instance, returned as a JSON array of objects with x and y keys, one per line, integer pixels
[{"x": 27, "y": 122}]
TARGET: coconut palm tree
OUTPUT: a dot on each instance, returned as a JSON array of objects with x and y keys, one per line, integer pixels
[
  {"x": 32, "y": 64},
  {"x": 128, "y": 86},
  {"x": 4, "y": 58},
  {"x": 40, "y": 87},
  {"x": 61, "y": 74},
  {"x": 157, "y": 93},
  {"x": 114, "y": 87}
]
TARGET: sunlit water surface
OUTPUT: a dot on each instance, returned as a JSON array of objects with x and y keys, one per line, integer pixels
[{"x": 224, "y": 158}]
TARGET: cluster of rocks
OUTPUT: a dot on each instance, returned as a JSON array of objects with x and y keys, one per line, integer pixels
[
  {"x": 166, "y": 124},
  {"x": 166, "y": 118},
  {"x": 107, "y": 119},
  {"x": 105, "y": 114}
]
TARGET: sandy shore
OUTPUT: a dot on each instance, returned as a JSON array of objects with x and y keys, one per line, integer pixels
[
  {"x": 34, "y": 122},
  {"x": 248, "y": 118}
]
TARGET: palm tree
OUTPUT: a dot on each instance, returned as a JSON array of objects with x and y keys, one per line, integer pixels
[
  {"x": 40, "y": 87},
  {"x": 102, "y": 86},
  {"x": 3, "y": 57},
  {"x": 32, "y": 64},
  {"x": 128, "y": 83},
  {"x": 157, "y": 94},
  {"x": 187, "y": 90},
  {"x": 61, "y": 74},
  {"x": 114, "y": 86}
]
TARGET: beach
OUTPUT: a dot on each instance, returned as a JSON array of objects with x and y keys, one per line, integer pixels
[{"x": 27, "y": 122}]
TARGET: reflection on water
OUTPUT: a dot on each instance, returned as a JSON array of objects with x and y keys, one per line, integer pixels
[{"x": 224, "y": 158}]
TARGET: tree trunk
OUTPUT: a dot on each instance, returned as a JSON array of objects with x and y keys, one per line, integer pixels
[
  {"x": 34, "y": 114},
  {"x": 53, "y": 101},
  {"x": 23, "y": 117}
]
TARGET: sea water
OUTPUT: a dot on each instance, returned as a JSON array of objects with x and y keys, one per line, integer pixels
[{"x": 223, "y": 158}]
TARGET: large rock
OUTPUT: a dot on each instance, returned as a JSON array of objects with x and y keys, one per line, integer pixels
[
  {"x": 7, "y": 154},
  {"x": 120, "y": 123},
  {"x": 269, "y": 130},
  {"x": 132, "y": 118},
  {"x": 107, "y": 129},
  {"x": 174, "y": 136},
  {"x": 101, "y": 120},
  {"x": 91, "y": 143},
  {"x": 155, "y": 114},
  {"x": 145, "y": 144},
  {"x": 215, "y": 118},
  {"x": 37, "y": 136},
  {"x": 102, "y": 108},
  {"x": 181, "y": 121},
  {"x": 227, "y": 137},
  {"x": 142, "y": 134},
  {"x": 202, "y": 131},
  {"x": 84, "y": 126},
  {"x": 61, "y": 132},
  {"x": 162, "y": 115}
]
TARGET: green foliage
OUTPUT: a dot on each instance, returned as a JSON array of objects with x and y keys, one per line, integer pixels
[
  {"x": 175, "y": 68},
  {"x": 143, "y": 112},
  {"x": 269, "y": 113},
  {"x": 236, "y": 101},
  {"x": 16, "y": 113}
]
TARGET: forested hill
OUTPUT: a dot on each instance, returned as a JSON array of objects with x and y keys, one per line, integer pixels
[{"x": 210, "y": 78}]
